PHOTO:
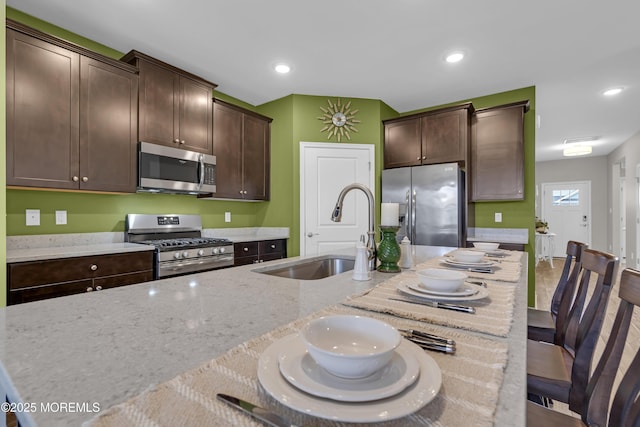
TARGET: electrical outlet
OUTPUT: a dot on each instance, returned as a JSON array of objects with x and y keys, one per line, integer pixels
[
  {"x": 33, "y": 216},
  {"x": 61, "y": 217},
  {"x": 498, "y": 216},
  {"x": 227, "y": 217}
]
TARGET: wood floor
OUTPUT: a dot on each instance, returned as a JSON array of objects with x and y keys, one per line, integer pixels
[{"x": 546, "y": 281}]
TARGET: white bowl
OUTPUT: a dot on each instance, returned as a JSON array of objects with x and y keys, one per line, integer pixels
[
  {"x": 441, "y": 280},
  {"x": 350, "y": 346},
  {"x": 486, "y": 246},
  {"x": 468, "y": 256}
]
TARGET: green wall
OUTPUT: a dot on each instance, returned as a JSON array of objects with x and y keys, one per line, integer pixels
[
  {"x": 516, "y": 214},
  {"x": 295, "y": 119},
  {"x": 92, "y": 212},
  {"x": 3, "y": 162}
]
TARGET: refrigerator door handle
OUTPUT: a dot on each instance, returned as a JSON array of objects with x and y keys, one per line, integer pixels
[
  {"x": 413, "y": 216},
  {"x": 407, "y": 222}
]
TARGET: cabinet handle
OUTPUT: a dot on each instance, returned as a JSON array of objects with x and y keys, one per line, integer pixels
[
  {"x": 424, "y": 157},
  {"x": 75, "y": 179},
  {"x": 85, "y": 179},
  {"x": 246, "y": 249},
  {"x": 418, "y": 158},
  {"x": 89, "y": 289},
  {"x": 273, "y": 246},
  {"x": 177, "y": 141},
  {"x": 98, "y": 288},
  {"x": 240, "y": 191},
  {"x": 93, "y": 267},
  {"x": 182, "y": 142}
]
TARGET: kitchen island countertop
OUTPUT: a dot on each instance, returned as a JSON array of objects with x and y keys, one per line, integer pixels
[{"x": 101, "y": 349}]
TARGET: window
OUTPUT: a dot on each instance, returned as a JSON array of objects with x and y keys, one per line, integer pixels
[{"x": 566, "y": 197}]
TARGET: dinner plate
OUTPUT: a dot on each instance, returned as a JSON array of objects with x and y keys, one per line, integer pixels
[
  {"x": 299, "y": 368},
  {"x": 453, "y": 262},
  {"x": 408, "y": 401},
  {"x": 404, "y": 286},
  {"x": 464, "y": 291}
]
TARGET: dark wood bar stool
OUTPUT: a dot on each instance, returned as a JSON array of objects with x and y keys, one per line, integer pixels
[
  {"x": 560, "y": 371},
  {"x": 542, "y": 324},
  {"x": 625, "y": 410}
]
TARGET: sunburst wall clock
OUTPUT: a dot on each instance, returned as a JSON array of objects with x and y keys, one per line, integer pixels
[{"x": 339, "y": 119}]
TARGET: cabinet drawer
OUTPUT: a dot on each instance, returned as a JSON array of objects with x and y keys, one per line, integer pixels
[
  {"x": 245, "y": 249},
  {"x": 123, "y": 279},
  {"x": 35, "y": 273},
  {"x": 49, "y": 291},
  {"x": 272, "y": 247}
]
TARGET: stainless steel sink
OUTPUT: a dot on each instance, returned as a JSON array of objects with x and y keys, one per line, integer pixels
[{"x": 314, "y": 269}]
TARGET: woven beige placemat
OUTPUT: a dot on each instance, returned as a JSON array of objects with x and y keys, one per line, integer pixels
[
  {"x": 471, "y": 382},
  {"x": 504, "y": 271},
  {"x": 493, "y": 315},
  {"x": 505, "y": 256}
]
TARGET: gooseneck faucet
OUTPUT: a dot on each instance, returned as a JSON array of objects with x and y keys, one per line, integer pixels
[{"x": 336, "y": 216}]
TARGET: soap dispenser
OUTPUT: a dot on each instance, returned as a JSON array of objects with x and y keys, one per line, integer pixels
[
  {"x": 406, "y": 260},
  {"x": 360, "y": 269}
]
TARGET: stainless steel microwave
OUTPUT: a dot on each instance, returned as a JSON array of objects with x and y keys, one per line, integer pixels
[{"x": 164, "y": 169}]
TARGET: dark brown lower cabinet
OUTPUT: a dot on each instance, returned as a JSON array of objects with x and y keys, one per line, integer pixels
[
  {"x": 38, "y": 280},
  {"x": 259, "y": 251}
]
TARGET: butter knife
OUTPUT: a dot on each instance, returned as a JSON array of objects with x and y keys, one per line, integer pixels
[
  {"x": 437, "y": 304},
  {"x": 264, "y": 415}
]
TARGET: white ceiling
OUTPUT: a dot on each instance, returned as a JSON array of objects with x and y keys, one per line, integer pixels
[{"x": 393, "y": 50}]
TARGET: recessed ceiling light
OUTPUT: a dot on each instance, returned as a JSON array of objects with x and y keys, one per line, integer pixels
[
  {"x": 454, "y": 57},
  {"x": 282, "y": 68},
  {"x": 612, "y": 91}
]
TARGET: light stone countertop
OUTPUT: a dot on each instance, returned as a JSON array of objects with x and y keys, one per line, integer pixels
[
  {"x": 54, "y": 252},
  {"x": 106, "y": 347},
  {"x": 53, "y": 246}
]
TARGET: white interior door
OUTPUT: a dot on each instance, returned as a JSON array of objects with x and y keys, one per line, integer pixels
[
  {"x": 325, "y": 169},
  {"x": 566, "y": 207}
]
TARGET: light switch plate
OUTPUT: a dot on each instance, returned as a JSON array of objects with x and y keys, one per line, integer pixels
[
  {"x": 498, "y": 216},
  {"x": 61, "y": 217},
  {"x": 227, "y": 217},
  {"x": 33, "y": 216}
]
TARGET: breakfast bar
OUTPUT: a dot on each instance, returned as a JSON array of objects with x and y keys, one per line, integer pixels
[{"x": 109, "y": 358}]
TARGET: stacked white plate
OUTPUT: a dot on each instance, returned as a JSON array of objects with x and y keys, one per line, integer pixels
[
  {"x": 480, "y": 264},
  {"x": 406, "y": 384},
  {"x": 467, "y": 292}
]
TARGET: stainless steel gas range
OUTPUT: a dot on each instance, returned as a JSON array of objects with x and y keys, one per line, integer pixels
[{"x": 180, "y": 247}]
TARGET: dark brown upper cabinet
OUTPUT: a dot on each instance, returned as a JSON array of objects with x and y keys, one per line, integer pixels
[
  {"x": 241, "y": 144},
  {"x": 438, "y": 136},
  {"x": 71, "y": 115},
  {"x": 174, "y": 105},
  {"x": 497, "y": 153}
]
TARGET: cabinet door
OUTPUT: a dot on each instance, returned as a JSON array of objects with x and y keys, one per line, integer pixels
[
  {"x": 158, "y": 102},
  {"x": 256, "y": 158},
  {"x": 227, "y": 147},
  {"x": 497, "y": 154},
  {"x": 108, "y": 127},
  {"x": 402, "y": 143},
  {"x": 445, "y": 137},
  {"x": 195, "y": 119},
  {"x": 42, "y": 113},
  {"x": 272, "y": 249}
]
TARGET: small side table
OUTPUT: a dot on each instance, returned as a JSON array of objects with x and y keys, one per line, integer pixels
[{"x": 545, "y": 247}]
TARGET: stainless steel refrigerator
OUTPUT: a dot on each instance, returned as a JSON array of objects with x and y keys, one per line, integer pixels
[{"x": 433, "y": 203}]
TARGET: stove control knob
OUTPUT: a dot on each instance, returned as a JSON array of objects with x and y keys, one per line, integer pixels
[
  {"x": 215, "y": 251},
  {"x": 221, "y": 250},
  {"x": 177, "y": 255},
  {"x": 201, "y": 252},
  {"x": 185, "y": 254}
]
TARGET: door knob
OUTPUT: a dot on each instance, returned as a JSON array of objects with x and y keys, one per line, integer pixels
[{"x": 310, "y": 234}]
